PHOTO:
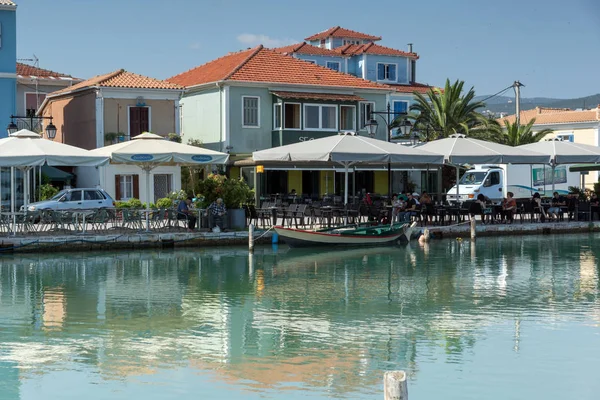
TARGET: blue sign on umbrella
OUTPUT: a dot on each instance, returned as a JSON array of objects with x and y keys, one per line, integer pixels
[
  {"x": 202, "y": 158},
  {"x": 142, "y": 157}
]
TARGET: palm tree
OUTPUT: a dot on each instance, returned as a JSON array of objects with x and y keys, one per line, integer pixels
[
  {"x": 515, "y": 134},
  {"x": 441, "y": 113}
]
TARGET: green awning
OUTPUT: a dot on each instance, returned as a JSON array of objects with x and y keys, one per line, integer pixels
[
  {"x": 584, "y": 167},
  {"x": 55, "y": 174}
]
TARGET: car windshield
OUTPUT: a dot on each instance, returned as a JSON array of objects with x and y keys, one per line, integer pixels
[
  {"x": 473, "y": 178},
  {"x": 58, "y": 195}
]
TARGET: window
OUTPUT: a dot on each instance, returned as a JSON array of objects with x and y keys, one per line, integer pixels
[
  {"x": 277, "y": 116},
  {"x": 365, "y": 113},
  {"x": 321, "y": 117},
  {"x": 139, "y": 120},
  {"x": 400, "y": 108},
  {"x": 334, "y": 65},
  {"x": 348, "y": 41},
  {"x": 250, "y": 118},
  {"x": 92, "y": 195},
  {"x": 33, "y": 102},
  {"x": 291, "y": 115},
  {"x": 311, "y": 61},
  {"x": 74, "y": 195},
  {"x": 126, "y": 186},
  {"x": 322, "y": 44},
  {"x": 347, "y": 118},
  {"x": 162, "y": 185},
  {"x": 495, "y": 178},
  {"x": 386, "y": 72},
  {"x": 566, "y": 138}
]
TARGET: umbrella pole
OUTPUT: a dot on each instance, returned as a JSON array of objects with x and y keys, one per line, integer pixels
[
  {"x": 553, "y": 168},
  {"x": 457, "y": 185},
  {"x": 147, "y": 170}
]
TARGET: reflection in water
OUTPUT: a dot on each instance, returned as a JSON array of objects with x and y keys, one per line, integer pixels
[{"x": 319, "y": 325}]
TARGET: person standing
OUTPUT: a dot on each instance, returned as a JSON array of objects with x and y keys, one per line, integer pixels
[{"x": 184, "y": 212}]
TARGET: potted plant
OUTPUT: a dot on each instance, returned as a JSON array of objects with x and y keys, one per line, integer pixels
[{"x": 234, "y": 192}]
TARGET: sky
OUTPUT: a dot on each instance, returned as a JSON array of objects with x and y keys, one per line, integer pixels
[{"x": 551, "y": 46}]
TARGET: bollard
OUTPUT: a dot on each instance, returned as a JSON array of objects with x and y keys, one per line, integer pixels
[
  {"x": 394, "y": 385},
  {"x": 473, "y": 234},
  {"x": 251, "y": 237}
]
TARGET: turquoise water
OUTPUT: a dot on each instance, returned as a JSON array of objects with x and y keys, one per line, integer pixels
[{"x": 506, "y": 318}]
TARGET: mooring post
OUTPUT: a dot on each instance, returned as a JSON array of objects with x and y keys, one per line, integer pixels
[
  {"x": 473, "y": 232},
  {"x": 251, "y": 237},
  {"x": 394, "y": 385}
]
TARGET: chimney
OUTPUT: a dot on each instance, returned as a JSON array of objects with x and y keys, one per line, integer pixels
[{"x": 410, "y": 47}]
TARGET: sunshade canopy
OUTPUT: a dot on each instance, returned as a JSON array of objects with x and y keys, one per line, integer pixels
[
  {"x": 459, "y": 149},
  {"x": 348, "y": 148},
  {"x": 149, "y": 148},
  {"x": 562, "y": 152},
  {"x": 27, "y": 149},
  {"x": 55, "y": 174}
]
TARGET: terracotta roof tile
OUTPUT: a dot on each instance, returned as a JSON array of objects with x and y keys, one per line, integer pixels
[
  {"x": 550, "y": 116},
  {"x": 26, "y": 71},
  {"x": 305, "y": 48},
  {"x": 269, "y": 66},
  {"x": 372, "y": 48},
  {"x": 318, "y": 96},
  {"x": 411, "y": 88},
  {"x": 337, "y": 31},
  {"x": 121, "y": 79}
]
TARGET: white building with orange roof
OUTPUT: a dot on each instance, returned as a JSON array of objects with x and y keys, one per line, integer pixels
[{"x": 579, "y": 126}]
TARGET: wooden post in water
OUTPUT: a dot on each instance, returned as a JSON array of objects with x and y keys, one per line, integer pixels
[
  {"x": 251, "y": 238},
  {"x": 394, "y": 385},
  {"x": 473, "y": 232}
]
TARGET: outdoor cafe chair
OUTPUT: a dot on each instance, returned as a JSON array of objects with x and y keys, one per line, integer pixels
[{"x": 132, "y": 219}]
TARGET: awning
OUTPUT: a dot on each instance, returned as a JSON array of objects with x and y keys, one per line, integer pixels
[
  {"x": 318, "y": 96},
  {"x": 55, "y": 174},
  {"x": 584, "y": 167}
]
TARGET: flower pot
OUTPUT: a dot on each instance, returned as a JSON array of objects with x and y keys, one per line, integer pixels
[{"x": 237, "y": 218}]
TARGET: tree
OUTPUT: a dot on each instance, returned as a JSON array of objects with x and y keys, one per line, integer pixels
[
  {"x": 441, "y": 113},
  {"x": 515, "y": 134}
]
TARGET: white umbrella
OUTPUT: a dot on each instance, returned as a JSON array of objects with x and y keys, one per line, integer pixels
[
  {"x": 347, "y": 149},
  {"x": 459, "y": 149},
  {"x": 148, "y": 151},
  {"x": 563, "y": 152},
  {"x": 25, "y": 150}
]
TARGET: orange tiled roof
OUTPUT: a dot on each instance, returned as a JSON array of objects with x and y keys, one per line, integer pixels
[
  {"x": 411, "y": 88},
  {"x": 372, "y": 48},
  {"x": 548, "y": 116},
  {"x": 265, "y": 65},
  {"x": 318, "y": 96},
  {"x": 121, "y": 79},
  {"x": 337, "y": 31},
  {"x": 305, "y": 48},
  {"x": 26, "y": 71}
]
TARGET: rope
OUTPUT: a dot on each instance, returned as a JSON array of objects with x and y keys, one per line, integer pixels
[{"x": 264, "y": 233}]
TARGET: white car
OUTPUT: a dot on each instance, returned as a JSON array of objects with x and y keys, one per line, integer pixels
[{"x": 68, "y": 199}]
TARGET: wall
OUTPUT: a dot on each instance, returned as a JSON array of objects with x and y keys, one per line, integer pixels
[
  {"x": 381, "y": 182},
  {"x": 29, "y": 87},
  {"x": 295, "y": 180},
  {"x": 75, "y": 119},
  {"x": 247, "y": 140},
  {"x": 201, "y": 118},
  {"x": 116, "y": 115},
  {"x": 401, "y": 71},
  {"x": 8, "y": 66},
  {"x": 326, "y": 182}
]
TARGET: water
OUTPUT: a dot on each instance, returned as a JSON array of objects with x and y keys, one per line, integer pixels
[{"x": 507, "y": 318}]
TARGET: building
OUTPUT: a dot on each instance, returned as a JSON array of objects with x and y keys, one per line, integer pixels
[
  {"x": 33, "y": 85},
  {"x": 260, "y": 98},
  {"x": 579, "y": 126},
  {"x": 114, "y": 107},
  {"x": 8, "y": 62}
]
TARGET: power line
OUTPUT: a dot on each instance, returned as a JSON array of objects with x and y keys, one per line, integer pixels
[{"x": 497, "y": 94}]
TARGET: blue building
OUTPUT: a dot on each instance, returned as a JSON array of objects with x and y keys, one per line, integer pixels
[{"x": 8, "y": 62}]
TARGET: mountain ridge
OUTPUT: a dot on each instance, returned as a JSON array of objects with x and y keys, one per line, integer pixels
[{"x": 506, "y": 104}]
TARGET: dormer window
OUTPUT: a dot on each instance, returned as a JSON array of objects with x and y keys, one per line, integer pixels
[
  {"x": 349, "y": 41},
  {"x": 322, "y": 44},
  {"x": 386, "y": 72}
]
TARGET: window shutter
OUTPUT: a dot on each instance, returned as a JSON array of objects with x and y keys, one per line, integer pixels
[
  {"x": 134, "y": 121},
  {"x": 144, "y": 119},
  {"x": 136, "y": 186},
  {"x": 117, "y": 187},
  {"x": 392, "y": 72},
  {"x": 380, "y": 72}
]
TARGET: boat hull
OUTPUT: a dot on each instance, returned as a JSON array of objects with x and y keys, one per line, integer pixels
[{"x": 303, "y": 238}]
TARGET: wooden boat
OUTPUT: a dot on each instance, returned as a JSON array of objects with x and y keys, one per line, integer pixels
[{"x": 348, "y": 235}]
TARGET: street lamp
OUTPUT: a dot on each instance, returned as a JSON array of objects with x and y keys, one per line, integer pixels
[{"x": 50, "y": 128}]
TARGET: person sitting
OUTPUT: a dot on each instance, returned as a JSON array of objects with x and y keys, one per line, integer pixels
[
  {"x": 409, "y": 210},
  {"x": 217, "y": 210},
  {"x": 183, "y": 212},
  {"x": 594, "y": 205},
  {"x": 557, "y": 203},
  {"x": 479, "y": 206},
  {"x": 427, "y": 210},
  {"x": 536, "y": 205},
  {"x": 572, "y": 203},
  {"x": 509, "y": 206},
  {"x": 396, "y": 207}
]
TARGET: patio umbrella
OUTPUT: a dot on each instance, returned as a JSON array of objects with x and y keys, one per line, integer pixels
[
  {"x": 148, "y": 151},
  {"x": 25, "y": 150},
  {"x": 563, "y": 152},
  {"x": 347, "y": 149},
  {"x": 459, "y": 149}
]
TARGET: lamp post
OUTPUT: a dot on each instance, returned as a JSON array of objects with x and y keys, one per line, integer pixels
[
  {"x": 372, "y": 125},
  {"x": 13, "y": 128}
]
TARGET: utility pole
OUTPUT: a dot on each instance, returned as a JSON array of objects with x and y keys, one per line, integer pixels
[{"x": 517, "y": 86}]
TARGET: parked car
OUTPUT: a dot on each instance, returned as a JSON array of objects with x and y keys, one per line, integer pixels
[{"x": 67, "y": 199}]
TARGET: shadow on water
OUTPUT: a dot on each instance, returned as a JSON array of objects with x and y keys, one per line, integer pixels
[{"x": 326, "y": 323}]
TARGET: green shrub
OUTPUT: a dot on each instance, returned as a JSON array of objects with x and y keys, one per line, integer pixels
[
  {"x": 234, "y": 192},
  {"x": 152, "y": 205},
  {"x": 180, "y": 195},
  {"x": 47, "y": 191},
  {"x": 165, "y": 202},
  {"x": 134, "y": 203},
  {"x": 121, "y": 204}
]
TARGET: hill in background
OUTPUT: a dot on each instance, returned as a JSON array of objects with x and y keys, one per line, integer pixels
[{"x": 506, "y": 104}]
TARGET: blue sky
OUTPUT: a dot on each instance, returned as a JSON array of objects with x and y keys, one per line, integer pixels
[{"x": 551, "y": 46}]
